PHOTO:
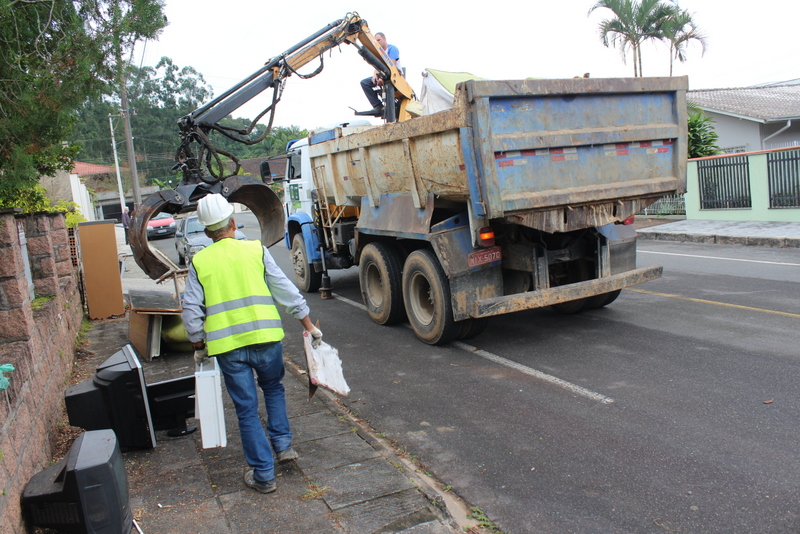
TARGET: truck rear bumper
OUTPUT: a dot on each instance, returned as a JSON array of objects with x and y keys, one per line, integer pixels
[{"x": 555, "y": 295}]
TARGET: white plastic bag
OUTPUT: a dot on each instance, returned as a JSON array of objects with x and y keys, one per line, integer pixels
[{"x": 324, "y": 367}]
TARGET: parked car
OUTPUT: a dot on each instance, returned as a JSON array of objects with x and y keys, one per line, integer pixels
[
  {"x": 162, "y": 225},
  {"x": 191, "y": 238}
]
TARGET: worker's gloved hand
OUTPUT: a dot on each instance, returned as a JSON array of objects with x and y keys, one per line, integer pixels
[
  {"x": 316, "y": 337},
  {"x": 201, "y": 355}
]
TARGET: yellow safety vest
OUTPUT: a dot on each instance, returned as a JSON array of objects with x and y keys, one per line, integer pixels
[{"x": 240, "y": 310}]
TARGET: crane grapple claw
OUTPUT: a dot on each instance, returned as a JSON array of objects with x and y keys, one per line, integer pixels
[{"x": 252, "y": 193}]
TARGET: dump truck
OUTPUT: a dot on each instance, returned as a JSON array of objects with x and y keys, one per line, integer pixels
[{"x": 516, "y": 198}]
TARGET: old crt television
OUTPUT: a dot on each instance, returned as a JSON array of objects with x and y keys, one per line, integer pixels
[
  {"x": 86, "y": 492},
  {"x": 115, "y": 398},
  {"x": 171, "y": 403}
]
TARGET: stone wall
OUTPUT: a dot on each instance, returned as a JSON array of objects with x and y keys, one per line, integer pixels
[{"x": 39, "y": 343}]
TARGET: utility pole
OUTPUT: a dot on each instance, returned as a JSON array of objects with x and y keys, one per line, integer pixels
[
  {"x": 116, "y": 164},
  {"x": 123, "y": 96}
]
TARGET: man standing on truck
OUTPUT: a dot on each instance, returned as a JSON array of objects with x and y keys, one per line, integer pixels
[
  {"x": 369, "y": 85},
  {"x": 230, "y": 312}
]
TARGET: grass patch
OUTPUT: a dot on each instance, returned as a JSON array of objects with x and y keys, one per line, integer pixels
[
  {"x": 86, "y": 326},
  {"x": 315, "y": 491},
  {"x": 477, "y": 514},
  {"x": 38, "y": 302}
]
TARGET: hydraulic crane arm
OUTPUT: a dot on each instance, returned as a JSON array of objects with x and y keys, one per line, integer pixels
[{"x": 208, "y": 169}]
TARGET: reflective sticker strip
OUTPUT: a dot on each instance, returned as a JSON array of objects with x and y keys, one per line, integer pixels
[
  {"x": 563, "y": 154},
  {"x": 650, "y": 147},
  {"x": 520, "y": 157}
]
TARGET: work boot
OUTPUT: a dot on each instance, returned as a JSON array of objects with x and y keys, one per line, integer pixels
[
  {"x": 287, "y": 455},
  {"x": 262, "y": 487}
]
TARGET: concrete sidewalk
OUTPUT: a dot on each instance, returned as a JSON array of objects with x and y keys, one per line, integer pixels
[
  {"x": 759, "y": 234},
  {"x": 345, "y": 479}
]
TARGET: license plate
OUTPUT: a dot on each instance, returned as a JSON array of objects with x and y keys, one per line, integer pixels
[
  {"x": 161, "y": 231},
  {"x": 485, "y": 256}
]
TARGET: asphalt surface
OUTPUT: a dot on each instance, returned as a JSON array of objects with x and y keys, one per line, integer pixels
[{"x": 346, "y": 480}]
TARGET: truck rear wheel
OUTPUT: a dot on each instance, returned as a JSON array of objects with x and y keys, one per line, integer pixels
[
  {"x": 426, "y": 294},
  {"x": 472, "y": 327},
  {"x": 381, "y": 279},
  {"x": 307, "y": 279},
  {"x": 570, "y": 307},
  {"x": 598, "y": 301}
]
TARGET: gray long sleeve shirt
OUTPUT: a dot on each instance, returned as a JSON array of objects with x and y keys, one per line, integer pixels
[{"x": 282, "y": 289}]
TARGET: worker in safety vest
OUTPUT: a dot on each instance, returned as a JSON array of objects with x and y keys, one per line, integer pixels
[{"x": 230, "y": 311}]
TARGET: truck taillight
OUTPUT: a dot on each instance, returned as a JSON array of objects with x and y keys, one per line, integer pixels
[
  {"x": 486, "y": 237},
  {"x": 629, "y": 220}
]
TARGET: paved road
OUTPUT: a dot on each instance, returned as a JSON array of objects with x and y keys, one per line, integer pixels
[{"x": 674, "y": 409}]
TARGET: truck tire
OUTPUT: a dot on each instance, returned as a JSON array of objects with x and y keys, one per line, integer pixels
[
  {"x": 307, "y": 278},
  {"x": 381, "y": 280},
  {"x": 570, "y": 307},
  {"x": 426, "y": 295},
  {"x": 598, "y": 301},
  {"x": 472, "y": 327}
]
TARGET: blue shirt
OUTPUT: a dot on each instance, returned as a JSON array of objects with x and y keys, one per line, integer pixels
[{"x": 393, "y": 52}]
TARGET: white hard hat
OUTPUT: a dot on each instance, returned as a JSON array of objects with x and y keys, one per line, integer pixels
[{"x": 214, "y": 211}]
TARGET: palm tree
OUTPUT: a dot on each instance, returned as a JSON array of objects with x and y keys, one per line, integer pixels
[
  {"x": 680, "y": 30},
  {"x": 633, "y": 24}
]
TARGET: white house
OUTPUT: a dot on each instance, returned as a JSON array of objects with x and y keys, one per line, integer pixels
[{"x": 753, "y": 118}]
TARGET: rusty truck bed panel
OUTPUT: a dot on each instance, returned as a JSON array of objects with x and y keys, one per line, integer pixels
[{"x": 556, "y": 154}]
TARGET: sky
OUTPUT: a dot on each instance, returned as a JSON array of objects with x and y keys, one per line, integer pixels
[{"x": 227, "y": 41}]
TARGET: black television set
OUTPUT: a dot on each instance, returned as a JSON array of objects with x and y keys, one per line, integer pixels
[
  {"x": 115, "y": 398},
  {"x": 171, "y": 403},
  {"x": 86, "y": 492}
]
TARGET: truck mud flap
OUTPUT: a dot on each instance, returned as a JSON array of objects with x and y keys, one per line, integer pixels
[{"x": 556, "y": 295}]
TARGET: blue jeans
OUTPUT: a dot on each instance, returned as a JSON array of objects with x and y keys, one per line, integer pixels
[{"x": 237, "y": 367}]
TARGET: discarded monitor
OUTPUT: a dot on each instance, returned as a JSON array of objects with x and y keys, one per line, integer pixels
[
  {"x": 86, "y": 492},
  {"x": 118, "y": 398}
]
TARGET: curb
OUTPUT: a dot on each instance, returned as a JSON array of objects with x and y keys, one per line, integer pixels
[
  {"x": 441, "y": 504},
  {"x": 718, "y": 239}
]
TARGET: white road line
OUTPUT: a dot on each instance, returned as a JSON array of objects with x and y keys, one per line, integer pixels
[
  {"x": 350, "y": 302},
  {"x": 569, "y": 386},
  {"x": 718, "y": 258}
]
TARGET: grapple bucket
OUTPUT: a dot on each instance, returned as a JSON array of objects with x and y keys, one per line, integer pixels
[{"x": 254, "y": 194}]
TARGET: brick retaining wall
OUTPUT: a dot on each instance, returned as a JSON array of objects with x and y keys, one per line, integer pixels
[{"x": 40, "y": 345}]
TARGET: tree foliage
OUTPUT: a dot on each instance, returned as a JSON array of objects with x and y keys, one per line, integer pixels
[
  {"x": 637, "y": 21},
  {"x": 702, "y": 136},
  {"x": 34, "y": 199},
  {"x": 680, "y": 30},
  {"x": 158, "y": 97},
  {"x": 53, "y": 55},
  {"x": 634, "y": 23}
]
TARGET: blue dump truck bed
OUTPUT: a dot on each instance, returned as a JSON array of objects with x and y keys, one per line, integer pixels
[{"x": 554, "y": 155}]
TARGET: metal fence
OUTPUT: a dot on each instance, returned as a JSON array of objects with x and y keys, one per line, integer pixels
[
  {"x": 724, "y": 183},
  {"x": 783, "y": 172},
  {"x": 666, "y": 205}
]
